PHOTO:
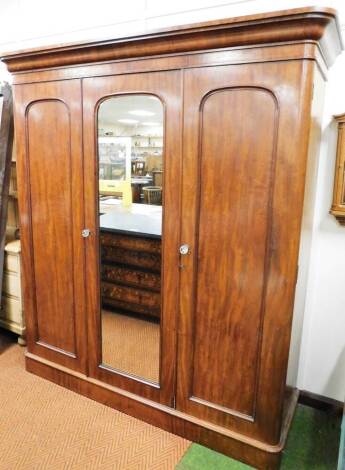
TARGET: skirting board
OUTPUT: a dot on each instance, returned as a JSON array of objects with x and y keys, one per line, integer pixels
[
  {"x": 247, "y": 450},
  {"x": 320, "y": 402}
]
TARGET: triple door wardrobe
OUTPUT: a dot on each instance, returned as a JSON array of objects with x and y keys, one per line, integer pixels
[{"x": 175, "y": 309}]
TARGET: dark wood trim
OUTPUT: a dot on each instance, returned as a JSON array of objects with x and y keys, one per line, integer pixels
[
  {"x": 320, "y": 402},
  {"x": 301, "y": 24},
  {"x": 238, "y": 446}
]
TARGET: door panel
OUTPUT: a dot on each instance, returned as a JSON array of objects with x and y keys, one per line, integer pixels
[
  {"x": 50, "y": 163},
  {"x": 237, "y": 281},
  {"x": 132, "y": 281},
  {"x": 230, "y": 272},
  {"x": 47, "y": 124}
]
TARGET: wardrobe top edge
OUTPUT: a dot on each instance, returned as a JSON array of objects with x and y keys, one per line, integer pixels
[
  {"x": 319, "y": 24},
  {"x": 339, "y": 117}
]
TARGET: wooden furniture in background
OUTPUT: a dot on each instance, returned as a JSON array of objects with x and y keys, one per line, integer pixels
[
  {"x": 12, "y": 312},
  {"x": 138, "y": 183},
  {"x": 6, "y": 148},
  {"x": 157, "y": 177},
  {"x": 338, "y": 204},
  {"x": 153, "y": 163},
  {"x": 239, "y": 93},
  {"x": 130, "y": 259},
  {"x": 130, "y": 273}
]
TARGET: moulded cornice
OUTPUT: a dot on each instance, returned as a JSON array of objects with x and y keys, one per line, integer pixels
[{"x": 299, "y": 25}]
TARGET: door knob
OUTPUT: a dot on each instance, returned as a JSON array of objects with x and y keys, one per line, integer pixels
[
  {"x": 85, "y": 233},
  {"x": 184, "y": 249}
]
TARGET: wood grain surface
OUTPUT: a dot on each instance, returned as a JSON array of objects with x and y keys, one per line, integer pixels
[
  {"x": 48, "y": 129},
  {"x": 237, "y": 97}
]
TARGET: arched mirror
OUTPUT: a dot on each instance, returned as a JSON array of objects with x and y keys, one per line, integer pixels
[{"x": 130, "y": 152}]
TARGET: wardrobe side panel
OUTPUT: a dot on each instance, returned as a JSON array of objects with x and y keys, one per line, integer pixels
[{"x": 296, "y": 355}]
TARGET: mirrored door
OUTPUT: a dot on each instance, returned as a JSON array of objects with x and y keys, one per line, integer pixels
[
  {"x": 130, "y": 130},
  {"x": 132, "y": 191}
]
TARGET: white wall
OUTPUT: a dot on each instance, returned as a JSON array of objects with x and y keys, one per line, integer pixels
[{"x": 28, "y": 23}]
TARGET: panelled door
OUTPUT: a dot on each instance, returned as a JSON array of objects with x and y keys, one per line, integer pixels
[
  {"x": 49, "y": 147},
  {"x": 132, "y": 148},
  {"x": 241, "y": 205}
]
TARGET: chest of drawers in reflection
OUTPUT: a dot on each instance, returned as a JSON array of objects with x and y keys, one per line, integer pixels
[{"x": 130, "y": 273}]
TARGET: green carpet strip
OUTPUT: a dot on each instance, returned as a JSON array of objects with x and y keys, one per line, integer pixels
[{"x": 313, "y": 444}]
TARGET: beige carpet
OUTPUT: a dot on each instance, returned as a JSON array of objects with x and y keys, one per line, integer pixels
[
  {"x": 44, "y": 426},
  {"x": 131, "y": 345}
]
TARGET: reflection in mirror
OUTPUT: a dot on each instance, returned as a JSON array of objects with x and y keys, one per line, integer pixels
[{"x": 130, "y": 149}]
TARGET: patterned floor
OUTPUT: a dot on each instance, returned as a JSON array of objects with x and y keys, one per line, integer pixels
[
  {"x": 44, "y": 426},
  {"x": 131, "y": 345}
]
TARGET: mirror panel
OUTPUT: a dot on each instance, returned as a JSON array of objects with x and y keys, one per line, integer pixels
[{"x": 130, "y": 152}]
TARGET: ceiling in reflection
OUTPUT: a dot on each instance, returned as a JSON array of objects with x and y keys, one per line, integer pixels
[{"x": 132, "y": 110}]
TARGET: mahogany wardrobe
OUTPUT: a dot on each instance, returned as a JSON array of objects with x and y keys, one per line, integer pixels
[{"x": 161, "y": 183}]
